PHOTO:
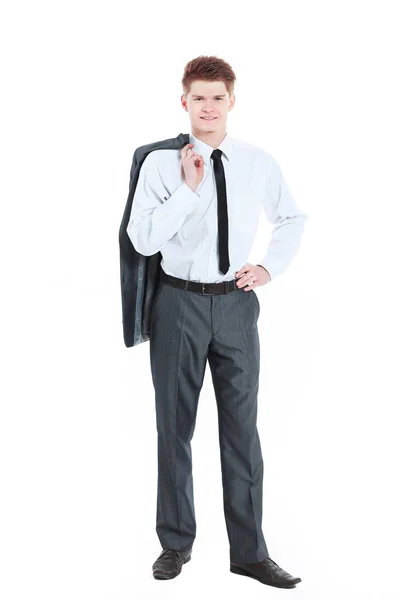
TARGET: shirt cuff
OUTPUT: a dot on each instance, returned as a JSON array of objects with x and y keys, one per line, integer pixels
[
  {"x": 182, "y": 200},
  {"x": 272, "y": 270}
]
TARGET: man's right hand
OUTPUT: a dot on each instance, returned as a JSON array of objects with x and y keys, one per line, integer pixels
[{"x": 193, "y": 166}]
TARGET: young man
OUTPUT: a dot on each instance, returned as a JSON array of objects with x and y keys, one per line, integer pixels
[{"x": 200, "y": 208}]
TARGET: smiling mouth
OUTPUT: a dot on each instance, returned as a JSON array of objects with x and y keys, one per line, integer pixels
[{"x": 208, "y": 118}]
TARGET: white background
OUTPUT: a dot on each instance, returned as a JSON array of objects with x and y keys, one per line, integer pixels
[{"x": 84, "y": 84}]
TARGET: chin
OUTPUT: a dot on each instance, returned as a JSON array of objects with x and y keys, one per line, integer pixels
[{"x": 209, "y": 125}]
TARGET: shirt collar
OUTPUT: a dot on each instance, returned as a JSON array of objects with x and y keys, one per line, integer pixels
[{"x": 205, "y": 150}]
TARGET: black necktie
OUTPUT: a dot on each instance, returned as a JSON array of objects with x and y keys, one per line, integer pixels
[{"x": 222, "y": 212}]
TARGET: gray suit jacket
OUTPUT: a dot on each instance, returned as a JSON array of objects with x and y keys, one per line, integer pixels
[{"x": 140, "y": 274}]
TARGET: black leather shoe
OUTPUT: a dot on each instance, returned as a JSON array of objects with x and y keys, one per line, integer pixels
[
  {"x": 266, "y": 571},
  {"x": 169, "y": 564}
]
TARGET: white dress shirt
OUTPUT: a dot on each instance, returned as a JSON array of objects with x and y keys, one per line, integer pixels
[{"x": 167, "y": 216}]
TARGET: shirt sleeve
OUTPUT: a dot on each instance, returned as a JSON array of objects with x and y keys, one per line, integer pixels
[
  {"x": 157, "y": 215},
  {"x": 288, "y": 220}
]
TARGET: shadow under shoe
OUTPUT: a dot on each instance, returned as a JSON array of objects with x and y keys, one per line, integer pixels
[
  {"x": 266, "y": 571},
  {"x": 169, "y": 564}
]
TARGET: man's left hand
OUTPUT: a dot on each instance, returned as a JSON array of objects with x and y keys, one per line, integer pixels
[{"x": 251, "y": 276}]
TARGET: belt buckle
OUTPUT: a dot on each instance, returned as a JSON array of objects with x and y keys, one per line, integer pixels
[{"x": 204, "y": 293}]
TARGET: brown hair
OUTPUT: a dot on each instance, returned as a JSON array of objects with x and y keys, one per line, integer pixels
[{"x": 208, "y": 68}]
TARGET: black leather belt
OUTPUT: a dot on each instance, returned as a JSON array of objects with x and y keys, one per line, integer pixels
[{"x": 207, "y": 289}]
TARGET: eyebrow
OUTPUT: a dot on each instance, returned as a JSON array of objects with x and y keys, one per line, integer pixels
[{"x": 216, "y": 95}]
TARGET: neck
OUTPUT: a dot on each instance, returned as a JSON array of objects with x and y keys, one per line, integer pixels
[{"x": 212, "y": 138}]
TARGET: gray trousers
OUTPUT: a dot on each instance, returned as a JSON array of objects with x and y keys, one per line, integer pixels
[{"x": 189, "y": 328}]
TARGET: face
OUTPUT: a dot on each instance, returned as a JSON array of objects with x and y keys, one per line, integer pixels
[{"x": 208, "y": 99}]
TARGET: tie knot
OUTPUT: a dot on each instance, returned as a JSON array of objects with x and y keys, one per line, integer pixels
[{"x": 216, "y": 154}]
